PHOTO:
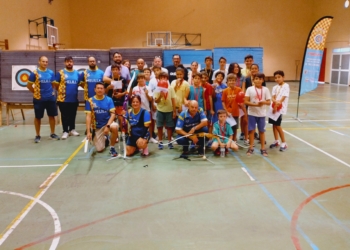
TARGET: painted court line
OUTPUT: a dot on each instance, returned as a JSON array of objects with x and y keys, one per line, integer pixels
[
  {"x": 318, "y": 149},
  {"x": 339, "y": 120},
  {"x": 294, "y": 223},
  {"x": 15, "y": 222},
  {"x": 339, "y": 222},
  {"x": 31, "y": 166},
  {"x": 276, "y": 203},
  {"x": 336, "y": 132},
  {"x": 146, "y": 206},
  {"x": 245, "y": 171},
  {"x": 52, "y": 212}
]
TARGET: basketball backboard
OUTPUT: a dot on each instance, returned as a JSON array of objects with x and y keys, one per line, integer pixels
[{"x": 158, "y": 38}]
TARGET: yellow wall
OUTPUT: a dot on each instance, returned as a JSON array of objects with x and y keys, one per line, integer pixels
[
  {"x": 281, "y": 28},
  {"x": 14, "y": 15}
]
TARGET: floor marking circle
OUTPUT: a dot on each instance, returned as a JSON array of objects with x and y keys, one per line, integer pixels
[{"x": 52, "y": 212}]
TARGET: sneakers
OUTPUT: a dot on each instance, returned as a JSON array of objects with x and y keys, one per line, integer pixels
[
  {"x": 170, "y": 145},
  {"x": 241, "y": 137},
  {"x": 246, "y": 142},
  {"x": 160, "y": 146},
  {"x": 73, "y": 132},
  {"x": 54, "y": 137},
  {"x": 282, "y": 149},
  {"x": 113, "y": 152},
  {"x": 37, "y": 139},
  {"x": 64, "y": 135},
  {"x": 274, "y": 145},
  {"x": 152, "y": 140}
]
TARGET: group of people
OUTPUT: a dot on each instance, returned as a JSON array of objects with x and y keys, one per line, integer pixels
[{"x": 206, "y": 106}]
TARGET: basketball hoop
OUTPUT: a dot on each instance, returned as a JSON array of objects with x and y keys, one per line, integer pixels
[{"x": 159, "y": 44}]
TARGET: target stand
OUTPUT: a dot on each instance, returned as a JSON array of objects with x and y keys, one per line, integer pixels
[{"x": 194, "y": 158}]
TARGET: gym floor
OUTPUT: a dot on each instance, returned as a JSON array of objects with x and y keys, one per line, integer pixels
[{"x": 53, "y": 195}]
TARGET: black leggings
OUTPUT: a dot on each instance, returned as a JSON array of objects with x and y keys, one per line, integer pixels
[{"x": 68, "y": 113}]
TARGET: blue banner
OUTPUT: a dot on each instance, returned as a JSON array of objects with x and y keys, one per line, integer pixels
[
  {"x": 311, "y": 70},
  {"x": 313, "y": 55}
]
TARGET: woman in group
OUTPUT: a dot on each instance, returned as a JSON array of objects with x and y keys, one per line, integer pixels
[
  {"x": 139, "y": 120},
  {"x": 194, "y": 71},
  {"x": 234, "y": 68},
  {"x": 127, "y": 64}
]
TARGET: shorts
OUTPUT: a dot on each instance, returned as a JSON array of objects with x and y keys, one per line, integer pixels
[
  {"x": 132, "y": 141},
  {"x": 40, "y": 106},
  {"x": 277, "y": 122},
  {"x": 253, "y": 120},
  {"x": 119, "y": 110},
  {"x": 235, "y": 127},
  {"x": 99, "y": 139},
  {"x": 164, "y": 118}
]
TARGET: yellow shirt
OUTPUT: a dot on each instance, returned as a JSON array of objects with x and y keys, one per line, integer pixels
[
  {"x": 180, "y": 92},
  {"x": 165, "y": 105}
]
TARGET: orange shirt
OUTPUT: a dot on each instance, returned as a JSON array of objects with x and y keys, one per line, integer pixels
[{"x": 229, "y": 98}]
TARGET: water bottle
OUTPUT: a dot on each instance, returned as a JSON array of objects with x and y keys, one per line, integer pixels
[{"x": 222, "y": 152}]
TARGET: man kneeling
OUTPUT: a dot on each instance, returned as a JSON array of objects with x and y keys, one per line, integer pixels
[
  {"x": 100, "y": 115},
  {"x": 189, "y": 123}
]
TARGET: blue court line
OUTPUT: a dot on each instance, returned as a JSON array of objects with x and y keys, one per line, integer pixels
[
  {"x": 275, "y": 202},
  {"x": 308, "y": 195}
]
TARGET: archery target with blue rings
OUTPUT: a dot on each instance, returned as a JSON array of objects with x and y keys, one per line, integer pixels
[{"x": 22, "y": 77}]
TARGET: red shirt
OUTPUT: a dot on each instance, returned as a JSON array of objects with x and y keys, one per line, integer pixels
[{"x": 208, "y": 92}]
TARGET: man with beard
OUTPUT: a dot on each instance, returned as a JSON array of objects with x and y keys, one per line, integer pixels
[
  {"x": 172, "y": 68},
  {"x": 67, "y": 82},
  {"x": 92, "y": 75},
  {"x": 124, "y": 71}
]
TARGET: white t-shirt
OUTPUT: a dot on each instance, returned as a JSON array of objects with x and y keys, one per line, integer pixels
[
  {"x": 279, "y": 91},
  {"x": 256, "y": 95},
  {"x": 145, "y": 104},
  {"x": 225, "y": 72}
]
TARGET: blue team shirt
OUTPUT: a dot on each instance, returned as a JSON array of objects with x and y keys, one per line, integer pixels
[
  {"x": 186, "y": 122},
  {"x": 72, "y": 81},
  {"x": 93, "y": 77},
  {"x": 218, "y": 102},
  {"x": 102, "y": 110},
  {"x": 138, "y": 130},
  {"x": 43, "y": 85}
]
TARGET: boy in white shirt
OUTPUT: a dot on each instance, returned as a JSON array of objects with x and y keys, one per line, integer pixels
[
  {"x": 280, "y": 96},
  {"x": 256, "y": 97}
]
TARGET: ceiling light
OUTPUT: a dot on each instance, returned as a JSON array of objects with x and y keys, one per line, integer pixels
[{"x": 346, "y": 4}]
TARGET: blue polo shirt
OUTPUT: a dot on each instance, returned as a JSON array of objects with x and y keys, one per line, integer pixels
[
  {"x": 91, "y": 77},
  {"x": 69, "y": 82},
  {"x": 186, "y": 122},
  {"x": 42, "y": 81},
  {"x": 102, "y": 109}
]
